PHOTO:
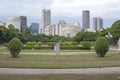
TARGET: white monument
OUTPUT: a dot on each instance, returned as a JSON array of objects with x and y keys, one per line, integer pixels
[
  {"x": 57, "y": 48},
  {"x": 119, "y": 45}
]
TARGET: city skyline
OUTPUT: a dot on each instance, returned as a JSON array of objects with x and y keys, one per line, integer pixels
[{"x": 70, "y": 11}]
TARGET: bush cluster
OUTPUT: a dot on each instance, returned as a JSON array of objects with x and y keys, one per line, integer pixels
[
  {"x": 43, "y": 48},
  {"x": 70, "y": 47},
  {"x": 86, "y": 45},
  {"x": 68, "y": 43}
]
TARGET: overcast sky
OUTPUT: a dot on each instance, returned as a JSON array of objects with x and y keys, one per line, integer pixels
[{"x": 68, "y": 10}]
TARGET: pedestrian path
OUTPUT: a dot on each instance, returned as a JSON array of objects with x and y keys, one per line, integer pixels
[{"x": 18, "y": 71}]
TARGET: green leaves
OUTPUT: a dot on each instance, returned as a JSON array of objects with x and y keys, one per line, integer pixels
[
  {"x": 101, "y": 46},
  {"x": 15, "y": 47}
]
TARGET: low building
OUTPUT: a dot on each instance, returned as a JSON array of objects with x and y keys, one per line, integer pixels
[{"x": 63, "y": 29}]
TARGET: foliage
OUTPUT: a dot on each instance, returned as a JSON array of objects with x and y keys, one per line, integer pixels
[
  {"x": 14, "y": 47},
  {"x": 39, "y": 43},
  {"x": 31, "y": 43},
  {"x": 101, "y": 46},
  {"x": 27, "y": 47},
  {"x": 70, "y": 47},
  {"x": 115, "y": 30},
  {"x": 6, "y": 44},
  {"x": 12, "y": 32},
  {"x": 3, "y": 32},
  {"x": 79, "y": 36},
  {"x": 43, "y": 48},
  {"x": 89, "y": 36},
  {"x": 51, "y": 43},
  {"x": 86, "y": 45},
  {"x": 67, "y": 43}
]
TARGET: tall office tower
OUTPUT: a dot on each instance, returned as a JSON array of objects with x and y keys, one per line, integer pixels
[
  {"x": 97, "y": 23},
  {"x": 86, "y": 20},
  {"x": 46, "y": 17},
  {"x": 35, "y": 28},
  {"x": 15, "y": 21},
  {"x": 23, "y": 23}
]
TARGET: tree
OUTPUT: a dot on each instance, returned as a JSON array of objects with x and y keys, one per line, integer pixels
[
  {"x": 89, "y": 36},
  {"x": 101, "y": 46},
  {"x": 15, "y": 47},
  {"x": 79, "y": 36},
  {"x": 115, "y": 30},
  {"x": 12, "y": 32},
  {"x": 3, "y": 32}
]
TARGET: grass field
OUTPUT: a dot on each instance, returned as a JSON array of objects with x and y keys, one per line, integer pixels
[
  {"x": 61, "y": 77},
  {"x": 59, "y": 62}
]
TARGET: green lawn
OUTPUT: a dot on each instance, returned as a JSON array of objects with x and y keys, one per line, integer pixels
[
  {"x": 62, "y": 61},
  {"x": 62, "y": 77}
]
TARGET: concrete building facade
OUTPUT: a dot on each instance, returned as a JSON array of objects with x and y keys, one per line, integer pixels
[
  {"x": 15, "y": 21},
  {"x": 86, "y": 20},
  {"x": 97, "y": 23},
  {"x": 46, "y": 19},
  {"x": 19, "y": 22},
  {"x": 23, "y": 23},
  {"x": 64, "y": 29}
]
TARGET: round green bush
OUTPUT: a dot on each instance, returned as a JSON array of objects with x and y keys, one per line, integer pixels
[
  {"x": 15, "y": 47},
  {"x": 101, "y": 46}
]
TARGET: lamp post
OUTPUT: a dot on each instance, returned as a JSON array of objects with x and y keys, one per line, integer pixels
[{"x": 108, "y": 36}]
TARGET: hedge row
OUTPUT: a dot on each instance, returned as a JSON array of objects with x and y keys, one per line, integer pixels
[
  {"x": 27, "y": 47},
  {"x": 86, "y": 45},
  {"x": 63, "y": 46}
]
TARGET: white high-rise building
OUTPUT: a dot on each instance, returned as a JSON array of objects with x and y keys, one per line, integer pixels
[
  {"x": 97, "y": 23},
  {"x": 15, "y": 21},
  {"x": 46, "y": 19}
]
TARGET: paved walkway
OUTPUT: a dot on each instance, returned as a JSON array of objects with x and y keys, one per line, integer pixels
[
  {"x": 51, "y": 53},
  {"x": 107, "y": 70}
]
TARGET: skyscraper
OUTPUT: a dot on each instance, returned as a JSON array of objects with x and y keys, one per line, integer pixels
[
  {"x": 46, "y": 17},
  {"x": 23, "y": 23},
  {"x": 97, "y": 23},
  {"x": 34, "y": 28},
  {"x": 85, "y": 20}
]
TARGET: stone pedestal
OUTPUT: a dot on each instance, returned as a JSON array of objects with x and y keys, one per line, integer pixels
[{"x": 57, "y": 48}]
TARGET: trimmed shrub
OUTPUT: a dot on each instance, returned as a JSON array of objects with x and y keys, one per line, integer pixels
[
  {"x": 39, "y": 43},
  {"x": 43, "y": 47},
  {"x": 67, "y": 43},
  {"x": 70, "y": 47},
  {"x": 15, "y": 47},
  {"x": 51, "y": 43},
  {"x": 101, "y": 46},
  {"x": 6, "y": 44},
  {"x": 86, "y": 45},
  {"x": 73, "y": 43},
  {"x": 27, "y": 47},
  {"x": 31, "y": 43}
]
